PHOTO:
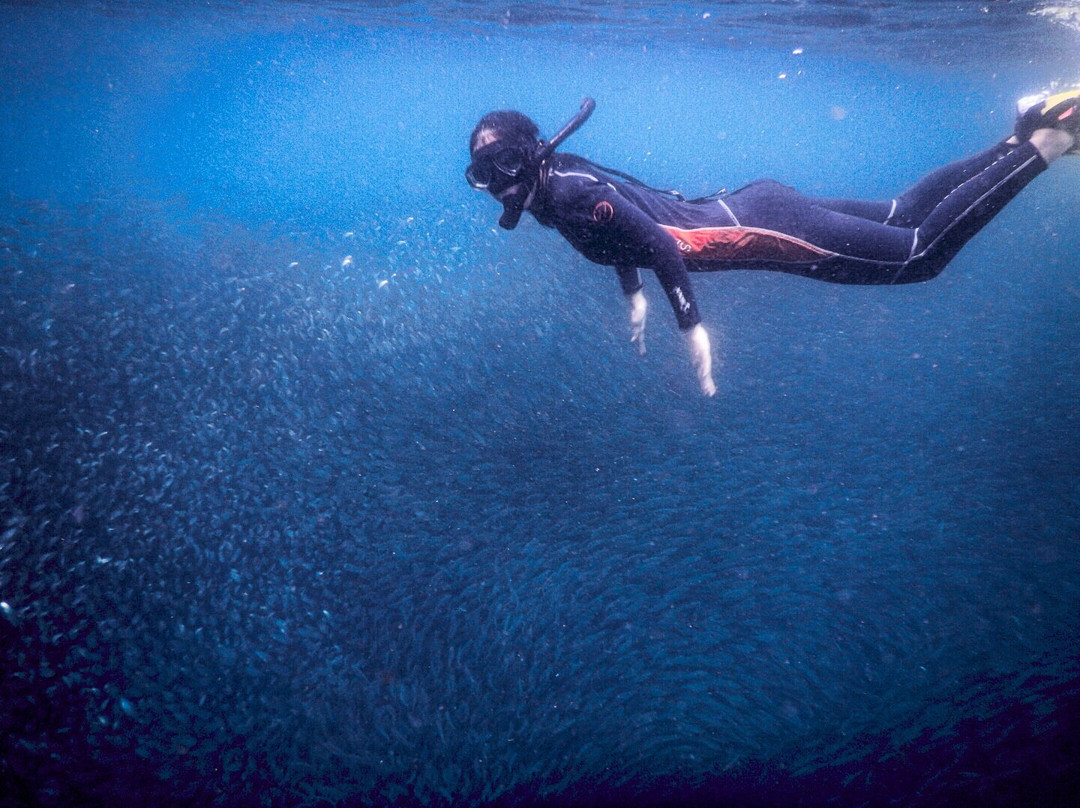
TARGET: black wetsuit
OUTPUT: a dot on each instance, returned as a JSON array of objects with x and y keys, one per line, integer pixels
[{"x": 767, "y": 225}]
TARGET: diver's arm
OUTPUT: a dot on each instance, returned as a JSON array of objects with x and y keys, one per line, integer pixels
[
  {"x": 637, "y": 240},
  {"x": 653, "y": 247},
  {"x": 630, "y": 280}
]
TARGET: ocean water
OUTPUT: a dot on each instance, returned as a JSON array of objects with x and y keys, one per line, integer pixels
[{"x": 319, "y": 489}]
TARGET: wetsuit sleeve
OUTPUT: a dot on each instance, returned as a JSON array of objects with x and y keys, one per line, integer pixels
[
  {"x": 629, "y": 279},
  {"x": 652, "y": 247}
]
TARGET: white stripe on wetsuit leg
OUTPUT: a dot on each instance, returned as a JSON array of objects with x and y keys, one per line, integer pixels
[{"x": 892, "y": 211}]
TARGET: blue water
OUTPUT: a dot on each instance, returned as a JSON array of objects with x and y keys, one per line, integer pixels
[{"x": 319, "y": 489}]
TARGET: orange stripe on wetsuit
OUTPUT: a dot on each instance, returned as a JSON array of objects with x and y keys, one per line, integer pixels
[{"x": 743, "y": 244}]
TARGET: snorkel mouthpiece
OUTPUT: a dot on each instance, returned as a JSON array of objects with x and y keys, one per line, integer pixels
[
  {"x": 512, "y": 212},
  {"x": 514, "y": 206}
]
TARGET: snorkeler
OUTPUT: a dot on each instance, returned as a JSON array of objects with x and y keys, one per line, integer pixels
[{"x": 615, "y": 220}]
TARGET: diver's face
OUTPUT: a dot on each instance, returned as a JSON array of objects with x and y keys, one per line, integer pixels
[{"x": 505, "y": 170}]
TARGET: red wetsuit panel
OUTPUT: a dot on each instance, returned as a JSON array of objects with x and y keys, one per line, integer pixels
[{"x": 743, "y": 244}]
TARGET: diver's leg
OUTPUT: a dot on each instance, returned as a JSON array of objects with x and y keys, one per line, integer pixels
[
  {"x": 954, "y": 203},
  {"x": 857, "y": 250},
  {"x": 989, "y": 182},
  {"x": 848, "y": 241},
  {"x": 912, "y": 207}
]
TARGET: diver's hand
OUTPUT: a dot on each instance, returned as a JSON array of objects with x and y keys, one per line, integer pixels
[
  {"x": 638, "y": 309},
  {"x": 701, "y": 354}
]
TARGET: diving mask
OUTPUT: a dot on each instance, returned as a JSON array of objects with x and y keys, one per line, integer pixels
[{"x": 494, "y": 165}]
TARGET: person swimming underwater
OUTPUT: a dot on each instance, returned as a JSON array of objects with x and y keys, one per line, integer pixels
[{"x": 615, "y": 220}]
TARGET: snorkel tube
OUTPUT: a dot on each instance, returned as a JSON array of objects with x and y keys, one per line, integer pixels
[
  {"x": 514, "y": 207},
  {"x": 572, "y": 125}
]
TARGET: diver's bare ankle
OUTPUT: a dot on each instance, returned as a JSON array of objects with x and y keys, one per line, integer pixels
[{"x": 1052, "y": 143}]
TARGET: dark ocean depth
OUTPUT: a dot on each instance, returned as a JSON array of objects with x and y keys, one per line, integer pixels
[{"x": 319, "y": 489}]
